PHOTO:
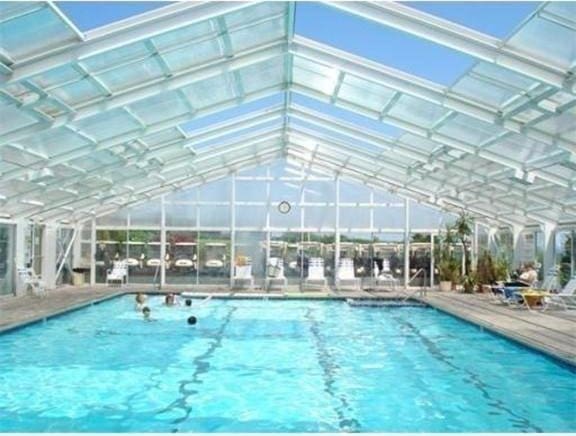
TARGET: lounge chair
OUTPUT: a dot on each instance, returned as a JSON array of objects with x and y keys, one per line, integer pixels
[
  {"x": 384, "y": 280},
  {"x": 565, "y": 299},
  {"x": 345, "y": 277},
  {"x": 117, "y": 274},
  {"x": 275, "y": 278},
  {"x": 33, "y": 283},
  {"x": 243, "y": 276},
  {"x": 316, "y": 278},
  {"x": 508, "y": 295}
]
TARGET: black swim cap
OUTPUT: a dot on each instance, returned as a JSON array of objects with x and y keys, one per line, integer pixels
[
  {"x": 192, "y": 320},
  {"x": 188, "y": 302}
]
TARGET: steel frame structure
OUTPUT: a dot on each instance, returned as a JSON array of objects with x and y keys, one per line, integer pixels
[{"x": 94, "y": 122}]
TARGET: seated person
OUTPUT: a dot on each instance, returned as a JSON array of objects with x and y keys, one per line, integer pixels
[{"x": 528, "y": 277}]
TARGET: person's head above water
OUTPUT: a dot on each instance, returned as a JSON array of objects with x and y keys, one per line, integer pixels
[
  {"x": 192, "y": 320},
  {"x": 188, "y": 302},
  {"x": 146, "y": 312}
]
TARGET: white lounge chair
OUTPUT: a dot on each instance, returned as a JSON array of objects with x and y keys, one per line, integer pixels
[
  {"x": 345, "y": 277},
  {"x": 386, "y": 282},
  {"x": 316, "y": 278},
  {"x": 117, "y": 274},
  {"x": 275, "y": 278},
  {"x": 243, "y": 276},
  {"x": 565, "y": 299},
  {"x": 33, "y": 283}
]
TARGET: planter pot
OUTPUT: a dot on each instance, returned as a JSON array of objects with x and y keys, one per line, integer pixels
[{"x": 445, "y": 286}]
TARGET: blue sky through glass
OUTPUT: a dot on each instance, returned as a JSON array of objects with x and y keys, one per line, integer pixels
[{"x": 89, "y": 15}]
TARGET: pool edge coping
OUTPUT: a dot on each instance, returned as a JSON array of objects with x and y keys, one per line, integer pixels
[{"x": 59, "y": 312}]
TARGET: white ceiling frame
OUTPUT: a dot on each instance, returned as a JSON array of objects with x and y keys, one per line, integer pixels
[
  {"x": 198, "y": 73},
  {"x": 154, "y": 191},
  {"x": 172, "y": 165},
  {"x": 441, "y": 140},
  {"x": 82, "y": 151},
  {"x": 213, "y": 132},
  {"x": 123, "y": 33},
  {"x": 374, "y": 138},
  {"x": 457, "y": 37},
  {"x": 370, "y": 159},
  {"x": 105, "y": 169},
  {"x": 392, "y": 185},
  {"x": 416, "y": 87}
]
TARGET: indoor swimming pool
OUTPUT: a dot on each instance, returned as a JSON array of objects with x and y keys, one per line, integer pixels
[{"x": 275, "y": 366}]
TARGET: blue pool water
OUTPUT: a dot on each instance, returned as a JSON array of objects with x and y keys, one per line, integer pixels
[{"x": 275, "y": 366}]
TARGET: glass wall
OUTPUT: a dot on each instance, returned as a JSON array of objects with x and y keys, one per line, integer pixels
[
  {"x": 565, "y": 255},
  {"x": 197, "y": 225},
  {"x": 214, "y": 258},
  {"x": 6, "y": 259},
  {"x": 182, "y": 253}
]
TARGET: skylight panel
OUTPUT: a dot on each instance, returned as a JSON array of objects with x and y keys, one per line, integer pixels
[
  {"x": 89, "y": 15},
  {"x": 495, "y": 18},
  {"x": 358, "y": 120},
  {"x": 381, "y": 44},
  {"x": 227, "y": 114}
]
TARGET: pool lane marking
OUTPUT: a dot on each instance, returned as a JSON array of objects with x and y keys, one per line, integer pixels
[
  {"x": 473, "y": 378},
  {"x": 201, "y": 364},
  {"x": 329, "y": 367}
]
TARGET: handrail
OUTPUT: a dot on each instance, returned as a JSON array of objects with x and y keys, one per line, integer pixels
[{"x": 420, "y": 290}]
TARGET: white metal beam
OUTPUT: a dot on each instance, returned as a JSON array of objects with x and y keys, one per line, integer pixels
[
  {"x": 177, "y": 81},
  {"x": 125, "y": 32},
  {"x": 457, "y": 37},
  {"x": 80, "y": 152},
  {"x": 416, "y": 87}
]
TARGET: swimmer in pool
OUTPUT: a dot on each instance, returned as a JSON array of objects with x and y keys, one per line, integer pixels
[
  {"x": 170, "y": 300},
  {"x": 140, "y": 301},
  {"x": 146, "y": 313}
]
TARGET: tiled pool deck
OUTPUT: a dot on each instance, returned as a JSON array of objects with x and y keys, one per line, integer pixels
[{"x": 553, "y": 332}]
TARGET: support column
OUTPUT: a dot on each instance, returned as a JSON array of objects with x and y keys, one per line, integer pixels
[
  {"x": 492, "y": 245},
  {"x": 475, "y": 246},
  {"x": 432, "y": 264},
  {"x": 268, "y": 205},
  {"x": 49, "y": 255},
  {"x": 406, "y": 242},
  {"x": 337, "y": 233},
  {"x": 302, "y": 221},
  {"x": 232, "y": 229},
  {"x": 517, "y": 245},
  {"x": 77, "y": 247},
  {"x": 162, "y": 243},
  {"x": 20, "y": 260},
  {"x": 549, "y": 234},
  {"x": 93, "y": 252}
]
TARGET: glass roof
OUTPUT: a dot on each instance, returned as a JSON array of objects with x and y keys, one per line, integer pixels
[{"x": 191, "y": 92}]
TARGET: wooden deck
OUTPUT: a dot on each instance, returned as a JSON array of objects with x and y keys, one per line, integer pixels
[{"x": 553, "y": 332}]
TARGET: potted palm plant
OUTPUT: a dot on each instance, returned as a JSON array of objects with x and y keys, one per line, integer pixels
[
  {"x": 447, "y": 264},
  {"x": 485, "y": 271}
]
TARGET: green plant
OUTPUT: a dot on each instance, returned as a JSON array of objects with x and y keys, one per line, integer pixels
[
  {"x": 447, "y": 264},
  {"x": 469, "y": 282},
  {"x": 463, "y": 228},
  {"x": 485, "y": 269},
  {"x": 449, "y": 270},
  {"x": 500, "y": 269}
]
